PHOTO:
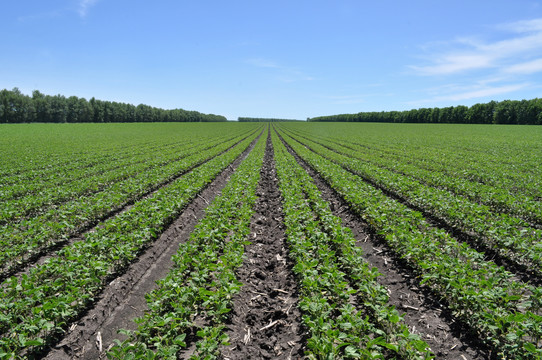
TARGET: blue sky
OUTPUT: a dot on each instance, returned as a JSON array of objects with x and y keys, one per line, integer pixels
[{"x": 284, "y": 59}]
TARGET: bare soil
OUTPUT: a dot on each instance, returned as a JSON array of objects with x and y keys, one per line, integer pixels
[
  {"x": 422, "y": 311},
  {"x": 265, "y": 321},
  {"x": 38, "y": 256},
  {"x": 123, "y": 300},
  {"x": 523, "y": 270}
]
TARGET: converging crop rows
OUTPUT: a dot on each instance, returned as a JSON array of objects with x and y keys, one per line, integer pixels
[{"x": 457, "y": 210}]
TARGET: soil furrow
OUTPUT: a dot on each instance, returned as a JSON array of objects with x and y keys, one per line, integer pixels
[
  {"x": 29, "y": 214},
  {"x": 527, "y": 220},
  {"x": 523, "y": 271},
  {"x": 38, "y": 256},
  {"x": 422, "y": 311},
  {"x": 123, "y": 299},
  {"x": 265, "y": 321},
  {"x": 111, "y": 163}
]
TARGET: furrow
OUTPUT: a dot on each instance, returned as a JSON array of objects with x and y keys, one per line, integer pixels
[
  {"x": 123, "y": 299},
  {"x": 32, "y": 257},
  {"x": 43, "y": 303},
  {"x": 524, "y": 270},
  {"x": 266, "y": 321},
  {"x": 421, "y": 310}
]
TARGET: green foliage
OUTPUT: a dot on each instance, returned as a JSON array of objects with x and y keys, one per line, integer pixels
[
  {"x": 266, "y": 120},
  {"x": 505, "y": 234},
  {"x": 38, "y": 214},
  {"x": 16, "y": 107},
  {"x": 38, "y": 306},
  {"x": 504, "y": 112},
  {"x": 502, "y": 311},
  {"x": 199, "y": 288},
  {"x": 331, "y": 271},
  {"x": 485, "y": 181}
]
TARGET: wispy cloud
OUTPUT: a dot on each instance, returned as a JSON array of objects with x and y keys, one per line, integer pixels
[
  {"x": 523, "y": 41},
  {"x": 455, "y": 93},
  {"x": 453, "y": 63},
  {"x": 480, "y": 93},
  {"x": 481, "y": 68},
  {"x": 84, "y": 7},
  {"x": 81, "y": 7},
  {"x": 529, "y": 67},
  {"x": 523, "y": 26}
]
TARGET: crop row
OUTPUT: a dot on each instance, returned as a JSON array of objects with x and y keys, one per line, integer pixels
[
  {"x": 35, "y": 203},
  {"x": 98, "y": 161},
  {"x": 500, "y": 311},
  {"x": 497, "y": 199},
  {"x": 46, "y": 163},
  {"x": 25, "y": 239},
  {"x": 344, "y": 307},
  {"x": 76, "y": 167},
  {"x": 66, "y": 175},
  {"x": 37, "y": 307},
  {"x": 28, "y": 161},
  {"x": 495, "y": 160},
  {"x": 194, "y": 299},
  {"x": 511, "y": 237},
  {"x": 46, "y": 147}
]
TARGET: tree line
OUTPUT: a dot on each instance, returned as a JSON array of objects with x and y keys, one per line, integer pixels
[
  {"x": 494, "y": 112},
  {"x": 16, "y": 107},
  {"x": 253, "y": 119}
]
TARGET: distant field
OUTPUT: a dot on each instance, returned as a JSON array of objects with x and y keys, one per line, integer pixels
[{"x": 326, "y": 240}]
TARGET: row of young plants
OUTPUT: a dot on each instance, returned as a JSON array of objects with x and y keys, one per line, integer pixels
[
  {"x": 30, "y": 169},
  {"x": 36, "y": 152},
  {"x": 497, "y": 199},
  {"x": 28, "y": 238},
  {"x": 344, "y": 308},
  {"x": 502, "y": 312},
  {"x": 501, "y": 159},
  {"x": 81, "y": 169},
  {"x": 66, "y": 167},
  {"x": 74, "y": 166},
  {"x": 34, "y": 204},
  {"x": 37, "y": 307},
  {"x": 101, "y": 176},
  {"x": 190, "y": 305},
  {"x": 510, "y": 237}
]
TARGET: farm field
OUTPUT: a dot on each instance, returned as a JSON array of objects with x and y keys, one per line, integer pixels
[{"x": 270, "y": 240}]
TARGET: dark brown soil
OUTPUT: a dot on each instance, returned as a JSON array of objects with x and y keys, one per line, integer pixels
[
  {"x": 423, "y": 313},
  {"x": 124, "y": 298},
  {"x": 523, "y": 270},
  {"x": 265, "y": 321},
  {"x": 40, "y": 255}
]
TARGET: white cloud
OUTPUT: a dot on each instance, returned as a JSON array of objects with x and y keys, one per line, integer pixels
[
  {"x": 523, "y": 26},
  {"x": 523, "y": 41},
  {"x": 524, "y": 45},
  {"x": 453, "y": 63},
  {"x": 84, "y": 6},
  {"x": 529, "y": 67},
  {"x": 477, "y": 91},
  {"x": 481, "y": 68},
  {"x": 481, "y": 93}
]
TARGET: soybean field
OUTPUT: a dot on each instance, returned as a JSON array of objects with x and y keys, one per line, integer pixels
[{"x": 283, "y": 240}]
